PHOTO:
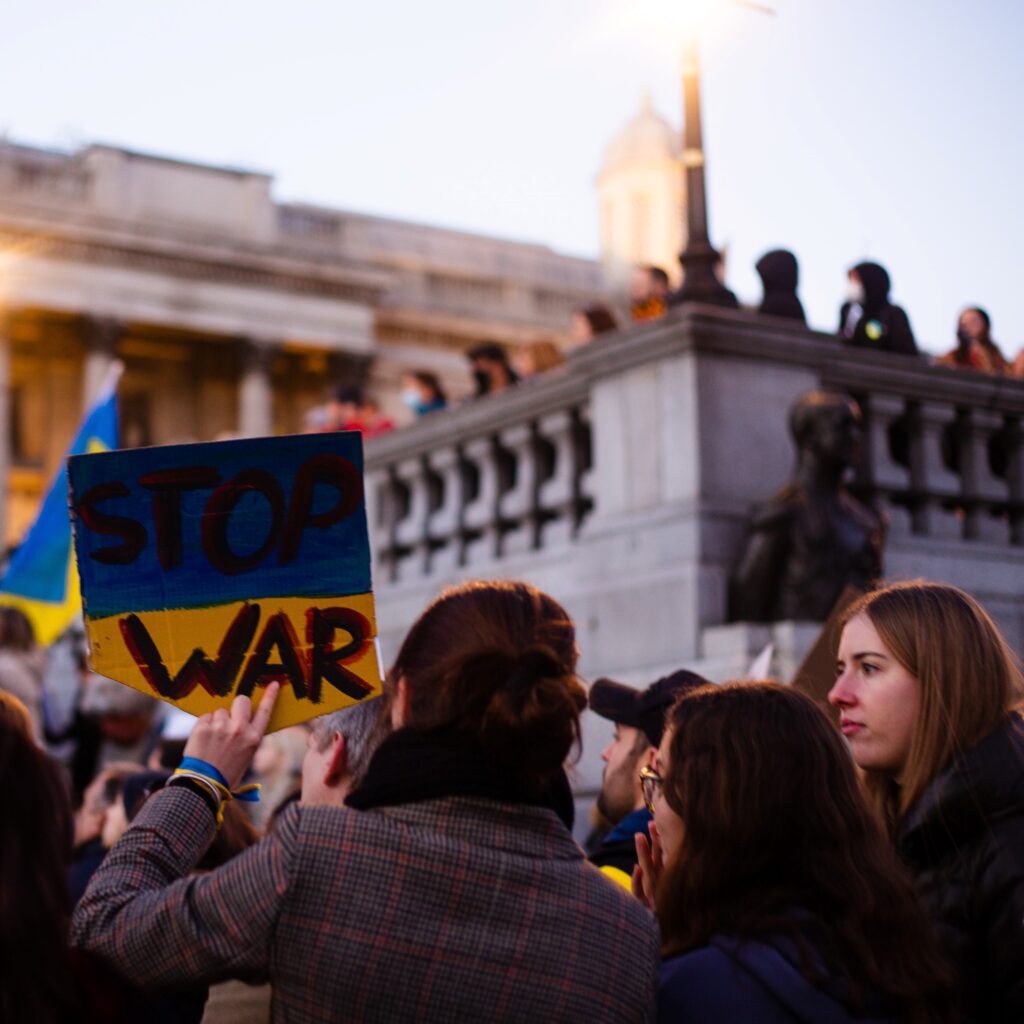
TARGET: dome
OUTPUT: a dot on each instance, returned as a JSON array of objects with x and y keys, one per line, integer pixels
[{"x": 648, "y": 137}]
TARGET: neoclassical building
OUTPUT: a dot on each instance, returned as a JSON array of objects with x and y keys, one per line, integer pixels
[
  {"x": 642, "y": 197},
  {"x": 233, "y": 314}
]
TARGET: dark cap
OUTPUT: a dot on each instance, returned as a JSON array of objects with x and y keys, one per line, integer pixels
[{"x": 642, "y": 709}]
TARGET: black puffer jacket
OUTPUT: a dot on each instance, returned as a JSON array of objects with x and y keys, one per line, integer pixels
[{"x": 964, "y": 841}]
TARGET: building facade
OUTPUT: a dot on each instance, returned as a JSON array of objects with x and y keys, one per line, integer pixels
[
  {"x": 641, "y": 193},
  {"x": 233, "y": 314}
]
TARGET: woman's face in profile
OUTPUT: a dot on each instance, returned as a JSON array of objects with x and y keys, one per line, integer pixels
[
  {"x": 877, "y": 699},
  {"x": 670, "y": 825}
]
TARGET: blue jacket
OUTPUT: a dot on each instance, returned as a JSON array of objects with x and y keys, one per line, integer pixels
[{"x": 750, "y": 981}]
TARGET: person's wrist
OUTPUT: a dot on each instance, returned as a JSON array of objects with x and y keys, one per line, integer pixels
[{"x": 206, "y": 792}]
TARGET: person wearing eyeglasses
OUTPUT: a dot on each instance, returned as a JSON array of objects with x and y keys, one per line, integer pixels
[
  {"x": 639, "y": 717},
  {"x": 447, "y": 888},
  {"x": 779, "y": 898}
]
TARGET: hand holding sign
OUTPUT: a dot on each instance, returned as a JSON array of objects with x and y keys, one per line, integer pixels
[
  {"x": 209, "y": 571},
  {"x": 228, "y": 740}
]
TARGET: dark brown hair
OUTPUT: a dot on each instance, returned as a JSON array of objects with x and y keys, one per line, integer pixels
[
  {"x": 16, "y": 630},
  {"x": 496, "y": 662},
  {"x": 777, "y": 840},
  {"x": 967, "y": 677},
  {"x": 430, "y": 381},
  {"x": 36, "y": 982},
  {"x": 600, "y": 318}
]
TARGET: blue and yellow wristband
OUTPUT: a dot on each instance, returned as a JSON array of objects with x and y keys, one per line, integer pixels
[{"x": 213, "y": 782}]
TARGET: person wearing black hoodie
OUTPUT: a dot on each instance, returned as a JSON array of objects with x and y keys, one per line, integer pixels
[
  {"x": 779, "y": 274},
  {"x": 868, "y": 319}
]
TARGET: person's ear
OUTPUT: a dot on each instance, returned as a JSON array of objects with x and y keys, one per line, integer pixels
[
  {"x": 336, "y": 766},
  {"x": 647, "y": 761},
  {"x": 400, "y": 703}
]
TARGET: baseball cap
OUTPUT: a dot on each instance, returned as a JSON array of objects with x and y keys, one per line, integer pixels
[{"x": 642, "y": 709}]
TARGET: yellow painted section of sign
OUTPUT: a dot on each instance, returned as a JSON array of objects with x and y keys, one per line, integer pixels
[{"x": 176, "y": 635}]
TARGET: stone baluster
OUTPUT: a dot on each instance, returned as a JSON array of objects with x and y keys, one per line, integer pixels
[
  {"x": 555, "y": 495},
  {"x": 482, "y": 540},
  {"x": 983, "y": 491},
  {"x": 1015, "y": 477},
  {"x": 410, "y": 531},
  {"x": 888, "y": 481},
  {"x": 444, "y": 525},
  {"x": 389, "y": 505},
  {"x": 935, "y": 489},
  {"x": 373, "y": 487},
  {"x": 517, "y": 506},
  {"x": 584, "y": 484}
]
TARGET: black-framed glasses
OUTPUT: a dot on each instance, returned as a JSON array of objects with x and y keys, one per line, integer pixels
[{"x": 650, "y": 783}]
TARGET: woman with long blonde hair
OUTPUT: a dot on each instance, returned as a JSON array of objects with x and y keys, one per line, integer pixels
[{"x": 927, "y": 690}]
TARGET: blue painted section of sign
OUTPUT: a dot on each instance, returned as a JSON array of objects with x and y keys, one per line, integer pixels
[{"x": 189, "y": 526}]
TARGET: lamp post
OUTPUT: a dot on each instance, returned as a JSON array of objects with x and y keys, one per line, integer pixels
[{"x": 700, "y": 258}]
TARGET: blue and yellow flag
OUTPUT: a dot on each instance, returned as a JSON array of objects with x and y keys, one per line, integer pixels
[{"x": 42, "y": 579}]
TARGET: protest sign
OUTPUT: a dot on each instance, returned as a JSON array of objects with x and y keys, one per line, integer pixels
[{"x": 211, "y": 570}]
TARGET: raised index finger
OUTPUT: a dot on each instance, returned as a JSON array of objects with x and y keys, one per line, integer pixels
[{"x": 261, "y": 719}]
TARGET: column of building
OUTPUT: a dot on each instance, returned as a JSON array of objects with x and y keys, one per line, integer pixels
[
  {"x": 255, "y": 389},
  {"x": 5, "y": 421},
  {"x": 100, "y": 336}
]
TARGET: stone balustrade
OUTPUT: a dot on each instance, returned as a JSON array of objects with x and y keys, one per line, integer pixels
[
  {"x": 943, "y": 448},
  {"x": 675, "y": 430},
  {"x": 623, "y": 485}
]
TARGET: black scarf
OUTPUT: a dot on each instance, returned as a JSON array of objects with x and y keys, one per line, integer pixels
[{"x": 410, "y": 766}]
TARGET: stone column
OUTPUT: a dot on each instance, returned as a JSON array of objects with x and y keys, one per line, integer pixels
[
  {"x": 255, "y": 390},
  {"x": 5, "y": 423},
  {"x": 100, "y": 336}
]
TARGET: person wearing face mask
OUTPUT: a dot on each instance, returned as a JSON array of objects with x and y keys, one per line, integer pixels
[
  {"x": 927, "y": 692},
  {"x": 975, "y": 349},
  {"x": 492, "y": 372},
  {"x": 868, "y": 319},
  {"x": 778, "y": 897},
  {"x": 422, "y": 393}
]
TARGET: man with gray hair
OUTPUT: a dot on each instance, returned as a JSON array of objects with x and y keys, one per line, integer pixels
[{"x": 340, "y": 747}]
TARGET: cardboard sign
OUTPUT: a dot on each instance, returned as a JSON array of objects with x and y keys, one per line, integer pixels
[{"x": 211, "y": 570}]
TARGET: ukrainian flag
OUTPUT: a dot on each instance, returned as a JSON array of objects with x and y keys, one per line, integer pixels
[{"x": 42, "y": 579}]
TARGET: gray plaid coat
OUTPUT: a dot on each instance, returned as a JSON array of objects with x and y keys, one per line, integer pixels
[{"x": 458, "y": 909}]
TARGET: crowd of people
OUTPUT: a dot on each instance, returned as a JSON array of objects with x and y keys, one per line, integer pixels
[
  {"x": 415, "y": 861},
  {"x": 868, "y": 318}
]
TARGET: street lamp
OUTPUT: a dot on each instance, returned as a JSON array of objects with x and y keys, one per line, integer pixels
[{"x": 700, "y": 258}]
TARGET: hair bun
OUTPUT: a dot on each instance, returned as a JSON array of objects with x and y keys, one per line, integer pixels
[{"x": 533, "y": 664}]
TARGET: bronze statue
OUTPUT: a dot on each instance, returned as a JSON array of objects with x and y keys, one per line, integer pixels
[{"x": 813, "y": 537}]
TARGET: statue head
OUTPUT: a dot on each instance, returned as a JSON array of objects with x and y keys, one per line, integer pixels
[{"x": 826, "y": 427}]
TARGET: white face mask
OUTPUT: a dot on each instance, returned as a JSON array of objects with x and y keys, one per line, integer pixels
[{"x": 855, "y": 290}]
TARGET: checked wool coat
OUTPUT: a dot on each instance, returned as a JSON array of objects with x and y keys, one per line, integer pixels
[{"x": 454, "y": 909}]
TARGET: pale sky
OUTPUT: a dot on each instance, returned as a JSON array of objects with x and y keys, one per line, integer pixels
[{"x": 842, "y": 129}]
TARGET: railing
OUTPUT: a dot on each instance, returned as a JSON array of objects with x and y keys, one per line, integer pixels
[
  {"x": 944, "y": 448},
  {"x": 528, "y": 471},
  {"x": 498, "y": 477}
]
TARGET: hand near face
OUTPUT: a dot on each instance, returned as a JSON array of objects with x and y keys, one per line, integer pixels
[{"x": 648, "y": 870}]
